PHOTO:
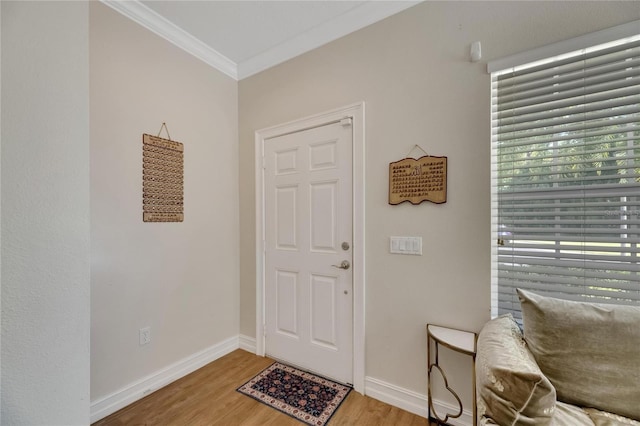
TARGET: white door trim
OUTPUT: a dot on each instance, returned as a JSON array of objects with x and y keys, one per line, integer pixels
[{"x": 356, "y": 113}]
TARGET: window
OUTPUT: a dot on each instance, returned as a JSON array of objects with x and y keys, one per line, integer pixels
[{"x": 566, "y": 177}]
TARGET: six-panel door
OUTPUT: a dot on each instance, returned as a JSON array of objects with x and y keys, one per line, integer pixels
[{"x": 308, "y": 235}]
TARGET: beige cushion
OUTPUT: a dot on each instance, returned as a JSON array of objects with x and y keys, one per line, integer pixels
[
  {"x": 485, "y": 421},
  {"x": 511, "y": 389},
  {"x": 590, "y": 352},
  {"x": 601, "y": 418},
  {"x": 570, "y": 415}
]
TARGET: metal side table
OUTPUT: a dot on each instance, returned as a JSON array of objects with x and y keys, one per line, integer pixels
[{"x": 456, "y": 340}]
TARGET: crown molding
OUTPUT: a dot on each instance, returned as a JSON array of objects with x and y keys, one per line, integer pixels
[
  {"x": 156, "y": 23},
  {"x": 355, "y": 19}
]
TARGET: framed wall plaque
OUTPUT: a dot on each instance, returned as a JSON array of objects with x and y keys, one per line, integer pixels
[
  {"x": 415, "y": 181},
  {"x": 162, "y": 180}
]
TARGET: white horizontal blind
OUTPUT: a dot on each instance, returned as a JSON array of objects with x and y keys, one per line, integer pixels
[{"x": 566, "y": 178}]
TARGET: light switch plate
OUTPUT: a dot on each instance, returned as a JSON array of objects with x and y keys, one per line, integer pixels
[{"x": 405, "y": 245}]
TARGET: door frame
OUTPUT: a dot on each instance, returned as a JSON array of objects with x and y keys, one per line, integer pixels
[{"x": 356, "y": 113}]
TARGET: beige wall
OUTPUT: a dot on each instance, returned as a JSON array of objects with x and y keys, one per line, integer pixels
[
  {"x": 45, "y": 213},
  {"x": 181, "y": 279},
  {"x": 413, "y": 72}
]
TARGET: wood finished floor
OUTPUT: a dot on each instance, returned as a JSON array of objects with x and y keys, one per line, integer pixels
[{"x": 208, "y": 397}]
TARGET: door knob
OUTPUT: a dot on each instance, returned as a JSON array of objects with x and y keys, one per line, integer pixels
[{"x": 344, "y": 265}]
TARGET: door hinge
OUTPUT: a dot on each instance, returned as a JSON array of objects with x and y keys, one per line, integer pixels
[
  {"x": 264, "y": 163},
  {"x": 346, "y": 121}
]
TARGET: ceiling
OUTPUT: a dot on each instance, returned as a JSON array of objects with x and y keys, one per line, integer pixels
[{"x": 242, "y": 38}]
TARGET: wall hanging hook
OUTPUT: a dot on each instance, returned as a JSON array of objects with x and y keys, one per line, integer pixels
[
  {"x": 414, "y": 148},
  {"x": 164, "y": 126}
]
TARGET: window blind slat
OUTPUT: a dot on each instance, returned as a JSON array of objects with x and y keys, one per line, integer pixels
[
  {"x": 548, "y": 194},
  {"x": 593, "y": 239},
  {"x": 629, "y": 249},
  {"x": 564, "y": 276},
  {"x": 513, "y": 142},
  {"x": 610, "y": 123},
  {"x": 614, "y": 189},
  {"x": 571, "y": 107},
  {"x": 607, "y": 210},
  {"x": 567, "y": 151},
  {"x": 562, "y": 168},
  {"x": 591, "y": 86},
  {"x": 599, "y": 100},
  {"x": 555, "y": 123},
  {"x": 592, "y": 59},
  {"x": 624, "y": 60}
]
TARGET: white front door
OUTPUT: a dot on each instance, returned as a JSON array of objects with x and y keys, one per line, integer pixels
[{"x": 308, "y": 255}]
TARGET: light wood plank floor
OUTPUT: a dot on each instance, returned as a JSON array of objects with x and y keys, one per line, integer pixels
[{"x": 208, "y": 397}]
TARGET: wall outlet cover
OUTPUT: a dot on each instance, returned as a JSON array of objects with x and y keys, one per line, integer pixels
[{"x": 145, "y": 335}]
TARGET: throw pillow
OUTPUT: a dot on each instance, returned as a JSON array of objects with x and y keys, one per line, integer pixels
[
  {"x": 602, "y": 418},
  {"x": 590, "y": 352},
  {"x": 511, "y": 389}
]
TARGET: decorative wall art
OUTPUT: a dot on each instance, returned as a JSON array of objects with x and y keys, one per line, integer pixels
[
  {"x": 418, "y": 180},
  {"x": 162, "y": 179}
]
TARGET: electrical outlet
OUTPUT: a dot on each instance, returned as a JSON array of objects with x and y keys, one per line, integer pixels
[{"x": 145, "y": 335}]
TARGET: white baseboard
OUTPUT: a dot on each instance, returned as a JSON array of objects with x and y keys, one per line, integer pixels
[
  {"x": 405, "y": 399},
  {"x": 143, "y": 387},
  {"x": 411, "y": 401},
  {"x": 247, "y": 343}
]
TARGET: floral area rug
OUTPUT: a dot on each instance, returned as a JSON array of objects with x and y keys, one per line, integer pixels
[{"x": 304, "y": 396}]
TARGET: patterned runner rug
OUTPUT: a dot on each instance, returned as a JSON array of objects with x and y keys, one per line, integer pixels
[{"x": 304, "y": 396}]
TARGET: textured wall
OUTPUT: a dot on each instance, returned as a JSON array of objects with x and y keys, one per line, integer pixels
[{"x": 45, "y": 213}]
